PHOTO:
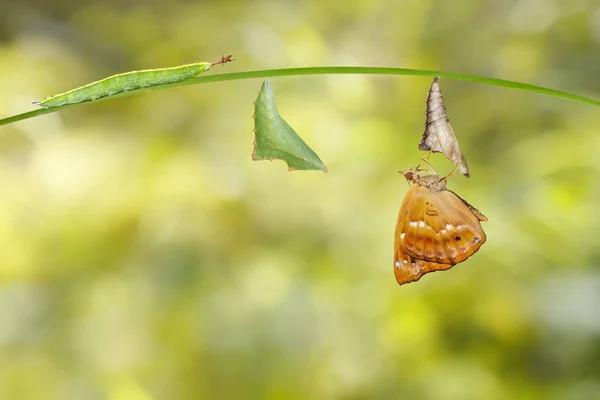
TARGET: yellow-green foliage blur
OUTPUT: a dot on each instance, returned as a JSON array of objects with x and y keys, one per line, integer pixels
[{"x": 144, "y": 255}]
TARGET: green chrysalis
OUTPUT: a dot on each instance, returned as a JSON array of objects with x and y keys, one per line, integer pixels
[
  {"x": 129, "y": 81},
  {"x": 274, "y": 138}
]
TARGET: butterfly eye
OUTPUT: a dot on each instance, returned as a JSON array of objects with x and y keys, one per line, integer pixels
[{"x": 458, "y": 239}]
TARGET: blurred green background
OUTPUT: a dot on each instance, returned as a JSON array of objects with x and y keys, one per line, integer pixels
[{"x": 145, "y": 256}]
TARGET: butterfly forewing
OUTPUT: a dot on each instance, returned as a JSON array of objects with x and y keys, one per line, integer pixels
[{"x": 415, "y": 227}]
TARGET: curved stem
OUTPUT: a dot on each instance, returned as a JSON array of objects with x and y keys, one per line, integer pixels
[{"x": 328, "y": 71}]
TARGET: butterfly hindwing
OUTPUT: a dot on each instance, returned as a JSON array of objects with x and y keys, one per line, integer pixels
[{"x": 408, "y": 269}]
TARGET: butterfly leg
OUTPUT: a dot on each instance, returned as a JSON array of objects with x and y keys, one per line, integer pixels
[
  {"x": 450, "y": 174},
  {"x": 429, "y": 155},
  {"x": 427, "y": 162}
]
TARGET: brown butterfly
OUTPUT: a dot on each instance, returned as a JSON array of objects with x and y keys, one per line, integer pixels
[
  {"x": 436, "y": 229},
  {"x": 439, "y": 136}
]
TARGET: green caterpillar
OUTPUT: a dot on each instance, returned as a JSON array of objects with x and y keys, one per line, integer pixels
[{"x": 129, "y": 81}]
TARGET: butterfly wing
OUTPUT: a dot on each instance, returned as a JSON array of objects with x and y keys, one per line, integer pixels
[
  {"x": 438, "y": 227},
  {"x": 406, "y": 268}
]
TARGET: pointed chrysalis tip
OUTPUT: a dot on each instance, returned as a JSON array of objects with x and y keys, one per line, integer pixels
[{"x": 36, "y": 103}]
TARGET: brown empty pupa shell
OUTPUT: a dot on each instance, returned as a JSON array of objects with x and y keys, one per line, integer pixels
[{"x": 439, "y": 136}]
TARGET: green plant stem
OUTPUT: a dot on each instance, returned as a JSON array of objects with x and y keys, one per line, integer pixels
[{"x": 327, "y": 71}]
